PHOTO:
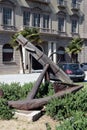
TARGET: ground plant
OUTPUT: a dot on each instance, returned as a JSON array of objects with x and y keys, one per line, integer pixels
[
  {"x": 62, "y": 108},
  {"x": 78, "y": 121},
  {"x": 5, "y": 112},
  {"x": 70, "y": 111},
  {"x": 15, "y": 91}
]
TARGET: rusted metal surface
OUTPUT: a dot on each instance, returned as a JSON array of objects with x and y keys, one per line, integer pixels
[
  {"x": 59, "y": 87},
  {"x": 39, "y": 103}
]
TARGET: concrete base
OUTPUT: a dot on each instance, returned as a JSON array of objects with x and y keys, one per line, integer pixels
[{"x": 27, "y": 115}]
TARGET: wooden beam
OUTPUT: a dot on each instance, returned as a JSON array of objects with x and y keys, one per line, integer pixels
[
  {"x": 39, "y": 103},
  {"x": 43, "y": 59}
]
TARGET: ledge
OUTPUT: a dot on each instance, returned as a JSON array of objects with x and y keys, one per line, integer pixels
[{"x": 27, "y": 115}]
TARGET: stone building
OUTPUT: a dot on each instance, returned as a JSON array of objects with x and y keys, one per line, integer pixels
[{"x": 58, "y": 20}]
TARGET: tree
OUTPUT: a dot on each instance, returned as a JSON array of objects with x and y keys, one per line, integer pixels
[
  {"x": 32, "y": 34},
  {"x": 74, "y": 47}
]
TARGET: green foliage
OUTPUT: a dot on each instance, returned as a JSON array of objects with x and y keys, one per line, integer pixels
[
  {"x": 74, "y": 47},
  {"x": 45, "y": 90},
  {"x": 78, "y": 121},
  {"x": 71, "y": 110},
  {"x": 62, "y": 108},
  {"x": 15, "y": 91},
  {"x": 80, "y": 100},
  {"x": 32, "y": 34},
  {"x": 11, "y": 92},
  {"x": 5, "y": 112},
  {"x": 48, "y": 126},
  {"x": 58, "y": 109},
  {"x": 25, "y": 89}
]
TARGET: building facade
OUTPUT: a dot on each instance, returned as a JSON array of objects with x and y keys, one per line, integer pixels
[{"x": 58, "y": 21}]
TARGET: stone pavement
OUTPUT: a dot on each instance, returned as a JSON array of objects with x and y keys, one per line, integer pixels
[{"x": 19, "y": 78}]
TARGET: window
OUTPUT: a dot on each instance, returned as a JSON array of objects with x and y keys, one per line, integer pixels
[
  {"x": 74, "y": 1},
  {"x": 7, "y": 16},
  {"x": 26, "y": 18},
  {"x": 61, "y": 24},
  {"x": 74, "y": 26},
  {"x": 36, "y": 20},
  {"x": 75, "y": 4},
  {"x": 60, "y": 2},
  {"x": 7, "y": 53},
  {"x": 46, "y": 21}
]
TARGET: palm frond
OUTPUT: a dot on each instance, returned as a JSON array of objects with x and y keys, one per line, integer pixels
[
  {"x": 32, "y": 34},
  {"x": 75, "y": 46}
]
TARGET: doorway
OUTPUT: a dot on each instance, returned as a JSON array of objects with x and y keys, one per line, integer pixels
[{"x": 35, "y": 64}]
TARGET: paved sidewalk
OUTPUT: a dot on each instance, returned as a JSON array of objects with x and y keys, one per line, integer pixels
[
  {"x": 19, "y": 78},
  {"x": 22, "y": 78}
]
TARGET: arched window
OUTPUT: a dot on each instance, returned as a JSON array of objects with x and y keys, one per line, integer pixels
[
  {"x": 7, "y": 53},
  {"x": 61, "y": 54}
]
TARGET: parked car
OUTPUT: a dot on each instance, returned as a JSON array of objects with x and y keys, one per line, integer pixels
[
  {"x": 74, "y": 71},
  {"x": 84, "y": 66}
]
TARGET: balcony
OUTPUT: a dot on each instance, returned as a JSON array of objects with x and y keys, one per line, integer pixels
[
  {"x": 75, "y": 6},
  {"x": 41, "y": 1},
  {"x": 48, "y": 31},
  {"x": 7, "y": 28},
  {"x": 62, "y": 4},
  {"x": 43, "y": 30}
]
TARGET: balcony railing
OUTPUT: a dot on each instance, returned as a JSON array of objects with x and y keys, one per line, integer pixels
[
  {"x": 62, "y": 3},
  {"x": 75, "y": 6},
  {"x": 48, "y": 31},
  {"x": 8, "y": 28},
  {"x": 42, "y": 1},
  {"x": 43, "y": 30}
]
